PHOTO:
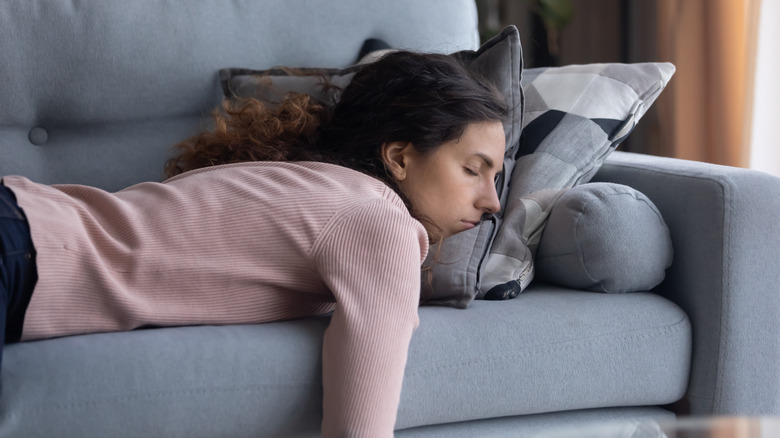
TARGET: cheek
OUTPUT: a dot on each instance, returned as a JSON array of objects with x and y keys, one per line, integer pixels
[
  {"x": 422, "y": 197},
  {"x": 435, "y": 187},
  {"x": 445, "y": 202},
  {"x": 425, "y": 194}
]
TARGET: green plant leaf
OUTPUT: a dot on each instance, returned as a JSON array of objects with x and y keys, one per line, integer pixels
[{"x": 555, "y": 13}]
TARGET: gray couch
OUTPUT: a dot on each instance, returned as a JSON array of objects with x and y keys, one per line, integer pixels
[{"x": 95, "y": 92}]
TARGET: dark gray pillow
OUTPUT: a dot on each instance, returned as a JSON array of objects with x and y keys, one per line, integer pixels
[{"x": 604, "y": 237}]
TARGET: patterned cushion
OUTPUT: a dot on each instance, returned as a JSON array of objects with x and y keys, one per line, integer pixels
[{"x": 575, "y": 116}]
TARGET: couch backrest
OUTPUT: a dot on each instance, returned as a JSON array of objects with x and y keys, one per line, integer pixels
[{"x": 96, "y": 92}]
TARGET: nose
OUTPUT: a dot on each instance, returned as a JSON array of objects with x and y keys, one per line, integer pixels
[{"x": 489, "y": 202}]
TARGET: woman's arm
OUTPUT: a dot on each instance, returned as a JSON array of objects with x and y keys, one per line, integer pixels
[{"x": 370, "y": 260}]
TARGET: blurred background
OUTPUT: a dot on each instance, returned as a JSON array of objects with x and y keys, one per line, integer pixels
[{"x": 720, "y": 107}]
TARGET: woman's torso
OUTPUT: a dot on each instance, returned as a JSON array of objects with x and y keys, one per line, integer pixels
[{"x": 225, "y": 244}]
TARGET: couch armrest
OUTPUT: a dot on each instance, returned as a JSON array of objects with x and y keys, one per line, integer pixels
[{"x": 725, "y": 227}]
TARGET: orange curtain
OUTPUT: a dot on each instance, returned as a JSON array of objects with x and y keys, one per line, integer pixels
[{"x": 706, "y": 109}]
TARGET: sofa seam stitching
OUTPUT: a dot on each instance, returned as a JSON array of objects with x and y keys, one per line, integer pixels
[
  {"x": 162, "y": 394},
  {"x": 558, "y": 346}
]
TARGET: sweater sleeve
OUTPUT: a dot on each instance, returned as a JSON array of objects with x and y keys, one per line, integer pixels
[{"x": 370, "y": 260}]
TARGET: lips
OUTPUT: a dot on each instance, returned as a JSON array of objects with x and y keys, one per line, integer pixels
[{"x": 470, "y": 224}]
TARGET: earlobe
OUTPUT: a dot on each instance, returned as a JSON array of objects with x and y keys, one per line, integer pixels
[{"x": 395, "y": 157}]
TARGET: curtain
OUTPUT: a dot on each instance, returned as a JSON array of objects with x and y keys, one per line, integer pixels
[{"x": 705, "y": 112}]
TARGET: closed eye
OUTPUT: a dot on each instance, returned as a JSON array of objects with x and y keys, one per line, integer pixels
[{"x": 470, "y": 171}]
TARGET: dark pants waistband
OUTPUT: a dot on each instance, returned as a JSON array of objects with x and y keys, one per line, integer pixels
[{"x": 18, "y": 272}]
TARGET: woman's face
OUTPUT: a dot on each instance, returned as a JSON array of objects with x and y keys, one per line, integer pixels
[{"x": 454, "y": 185}]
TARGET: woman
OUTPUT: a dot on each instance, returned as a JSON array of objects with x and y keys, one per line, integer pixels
[{"x": 278, "y": 213}]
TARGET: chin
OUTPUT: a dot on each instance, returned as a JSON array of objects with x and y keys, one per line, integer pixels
[{"x": 436, "y": 236}]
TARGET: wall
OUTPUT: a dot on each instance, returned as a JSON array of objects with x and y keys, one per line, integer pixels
[{"x": 765, "y": 136}]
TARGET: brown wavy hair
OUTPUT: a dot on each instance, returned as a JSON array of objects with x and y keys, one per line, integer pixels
[
  {"x": 249, "y": 130},
  {"x": 423, "y": 99}
]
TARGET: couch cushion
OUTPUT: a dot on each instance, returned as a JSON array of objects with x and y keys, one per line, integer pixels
[
  {"x": 113, "y": 85},
  {"x": 575, "y": 116},
  {"x": 551, "y": 349},
  {"x": 188, "y": 382},
  {"x": 631, "y": 422},
  {"x": 604, "y": 237}
]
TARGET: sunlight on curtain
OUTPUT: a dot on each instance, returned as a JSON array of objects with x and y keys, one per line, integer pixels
[
  {"x": 706, "y": 112},
  {"x": 765, "y": 135}
]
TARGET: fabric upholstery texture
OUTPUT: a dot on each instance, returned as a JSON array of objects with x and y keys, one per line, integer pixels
[
  {"x": 575, "y": 116},
  {"x": 451, "y": 274},
  {"x": 264, "y": 380},
  {"x": 725, "y": 275},
  {"x": 636, "y": 422},
  {"x": 97, "y": 92},
  {"x": 604, "y": 237}
]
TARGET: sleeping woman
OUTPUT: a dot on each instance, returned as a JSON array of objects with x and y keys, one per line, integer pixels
[{"x": 277, "y": 213}]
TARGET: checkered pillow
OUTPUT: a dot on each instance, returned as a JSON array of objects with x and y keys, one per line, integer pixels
[{"x": 575, "y": 116}]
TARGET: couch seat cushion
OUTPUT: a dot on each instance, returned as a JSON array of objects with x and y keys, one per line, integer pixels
[{"x": 550, "y": 349}]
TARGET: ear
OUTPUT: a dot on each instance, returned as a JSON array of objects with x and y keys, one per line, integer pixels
[{"x": 395, "y": 155}]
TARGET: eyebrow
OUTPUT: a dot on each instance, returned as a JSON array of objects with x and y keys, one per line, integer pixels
[{"x": 487, "y": 159}]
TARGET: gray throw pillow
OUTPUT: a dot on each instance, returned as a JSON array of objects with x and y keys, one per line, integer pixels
[
  {"x": 604, "y": 237},
  {"x": 575, "y": 116}
]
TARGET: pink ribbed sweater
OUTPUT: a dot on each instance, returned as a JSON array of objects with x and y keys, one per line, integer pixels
[{"x": 240, "y": 243}]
